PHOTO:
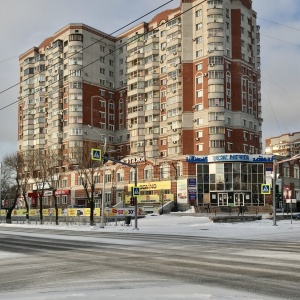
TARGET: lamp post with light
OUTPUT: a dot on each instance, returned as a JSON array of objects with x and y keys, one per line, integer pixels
[
  {"x": 103, "y": 182},
  {"x": 0, "y": 191}
]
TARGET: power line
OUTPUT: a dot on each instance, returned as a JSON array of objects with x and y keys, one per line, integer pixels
[
  {"x": 271, "y": 37},
  {"x": 122, "y": 45},
  {"x": 108, "y": 35},
  {"x": 7, "y": 59},
  {"x": 279, "y": 24},
  {"x": 272, "y": 109}
]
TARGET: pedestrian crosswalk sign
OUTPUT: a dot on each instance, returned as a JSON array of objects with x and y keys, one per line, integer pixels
[
  {"x": 266, "y": 189},
  {"x": 136, "y": 191},
  {"x": 96, "y": 154}
]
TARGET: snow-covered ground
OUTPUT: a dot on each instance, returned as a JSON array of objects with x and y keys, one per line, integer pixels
[{"x": 192, "y": 225}]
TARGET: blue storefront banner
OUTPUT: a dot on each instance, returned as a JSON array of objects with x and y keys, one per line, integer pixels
[
  {"x": 236, "y": 157},
  {"x": 192, "y": 189}
]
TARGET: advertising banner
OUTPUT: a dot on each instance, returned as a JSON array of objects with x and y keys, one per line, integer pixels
[
  {"x": 151, "y": 199},
  {"x": 182, "y": 191},
  {"x": 152, "y": 186}
]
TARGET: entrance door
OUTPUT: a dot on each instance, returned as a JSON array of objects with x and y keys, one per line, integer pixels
[
  {"x": 239, "y": 199},
  {"x": 223, "y": 199}
]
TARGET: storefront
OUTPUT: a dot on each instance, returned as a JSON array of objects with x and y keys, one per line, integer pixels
[
  {"x": 231, "y": 179},
  {"x": 152, "y": 195}
]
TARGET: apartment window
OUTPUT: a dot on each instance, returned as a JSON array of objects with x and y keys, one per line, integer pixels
[
  {"x": 199, "y": 67},
  {"x": 77, "y": 73},
  {"x": 199, "y": 93},
  {"x": 216, "y": 116},
  {"x": 229, "y": 133},
  {"x": 148, "y": 173},
  {"x": 199, "y": 121},
  {"x": 216, "y": 102},
  {"x": 120, "y": 175},
  {"x": 163, "y": 33},
  {"x": 217, "y": 144},
  {"x": 75, "y": 131},
  {"x": 217, "y": 130},
  {"x": 102, "y": 71},
  {"x": 164, "y": 171},
  {"x": 198, "y": 40},
  {"x": 198, "y": 13},
  {"x": 75, "y": 85},
  {"x": 199, "y": 26},
  {"x": 76, "y": 37},
  {"x": 216, "y": 74},
  {"x": 64, "y": 183},
  {"x": 96, "y": 178},
  {"x": 199, "y": 79},
  {"x": 64, "y": 199},
  {"x": 75, "y": 107},
  {"x": 200, "y": 147},
  {"x": 102, "y": 48},
  {"x": 229, "y": 146},
  {"x": 199, "y": 53},
  {"x": 111, "y": 73},
  {"x": 111, "y": 62}
]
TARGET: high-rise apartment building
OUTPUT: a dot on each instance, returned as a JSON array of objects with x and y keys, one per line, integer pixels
[{"x": 186, "y": 83}]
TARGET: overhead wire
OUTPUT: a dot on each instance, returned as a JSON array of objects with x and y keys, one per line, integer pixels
[
  {"x": 107, "y": 36},
  {"x": 122, "y": 45}
]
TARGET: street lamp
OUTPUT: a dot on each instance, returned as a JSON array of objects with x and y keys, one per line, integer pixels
[{"x": 0, "y": 191}]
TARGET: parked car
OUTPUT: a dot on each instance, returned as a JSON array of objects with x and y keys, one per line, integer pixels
[{"x": 296, "y": 216}]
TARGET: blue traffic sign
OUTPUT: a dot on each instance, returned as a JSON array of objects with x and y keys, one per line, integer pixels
[
  {"x": 266, "y": 189},
  {"x": 96, "y": 154},
  {"x": 136, "y": 191}
]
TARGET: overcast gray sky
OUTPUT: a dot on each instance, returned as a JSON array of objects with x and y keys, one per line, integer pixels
[{"x": 25, "y": 24}]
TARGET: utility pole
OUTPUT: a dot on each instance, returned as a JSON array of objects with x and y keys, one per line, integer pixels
[
  {"x": 0, "y": 191},
  {"x": 135, "y": 202},
  {"x": 103, "y": 190}
]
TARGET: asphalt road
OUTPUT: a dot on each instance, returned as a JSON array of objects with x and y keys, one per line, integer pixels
[{"x": 36, "y": 259}]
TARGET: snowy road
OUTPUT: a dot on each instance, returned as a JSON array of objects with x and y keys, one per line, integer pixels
[{"x": 61, "y": 264}]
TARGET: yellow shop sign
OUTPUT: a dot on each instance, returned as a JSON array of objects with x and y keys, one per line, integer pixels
[{"x": 152, "y": 186}]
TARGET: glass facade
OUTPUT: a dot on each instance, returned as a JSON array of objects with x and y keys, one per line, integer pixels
[{"x": 230, "y": 183}]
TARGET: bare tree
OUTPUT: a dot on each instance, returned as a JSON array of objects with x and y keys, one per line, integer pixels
[
  {"x": 80, "y": 159},
  {"x": 40, "y": 176},
  {"x": 53, "y": 177},
  {"x": 12, "y": 163}
]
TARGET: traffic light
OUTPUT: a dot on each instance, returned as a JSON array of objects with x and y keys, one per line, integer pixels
[
  {"x": 105, "y": 158},
  {"x": 132, "y": 202}
]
